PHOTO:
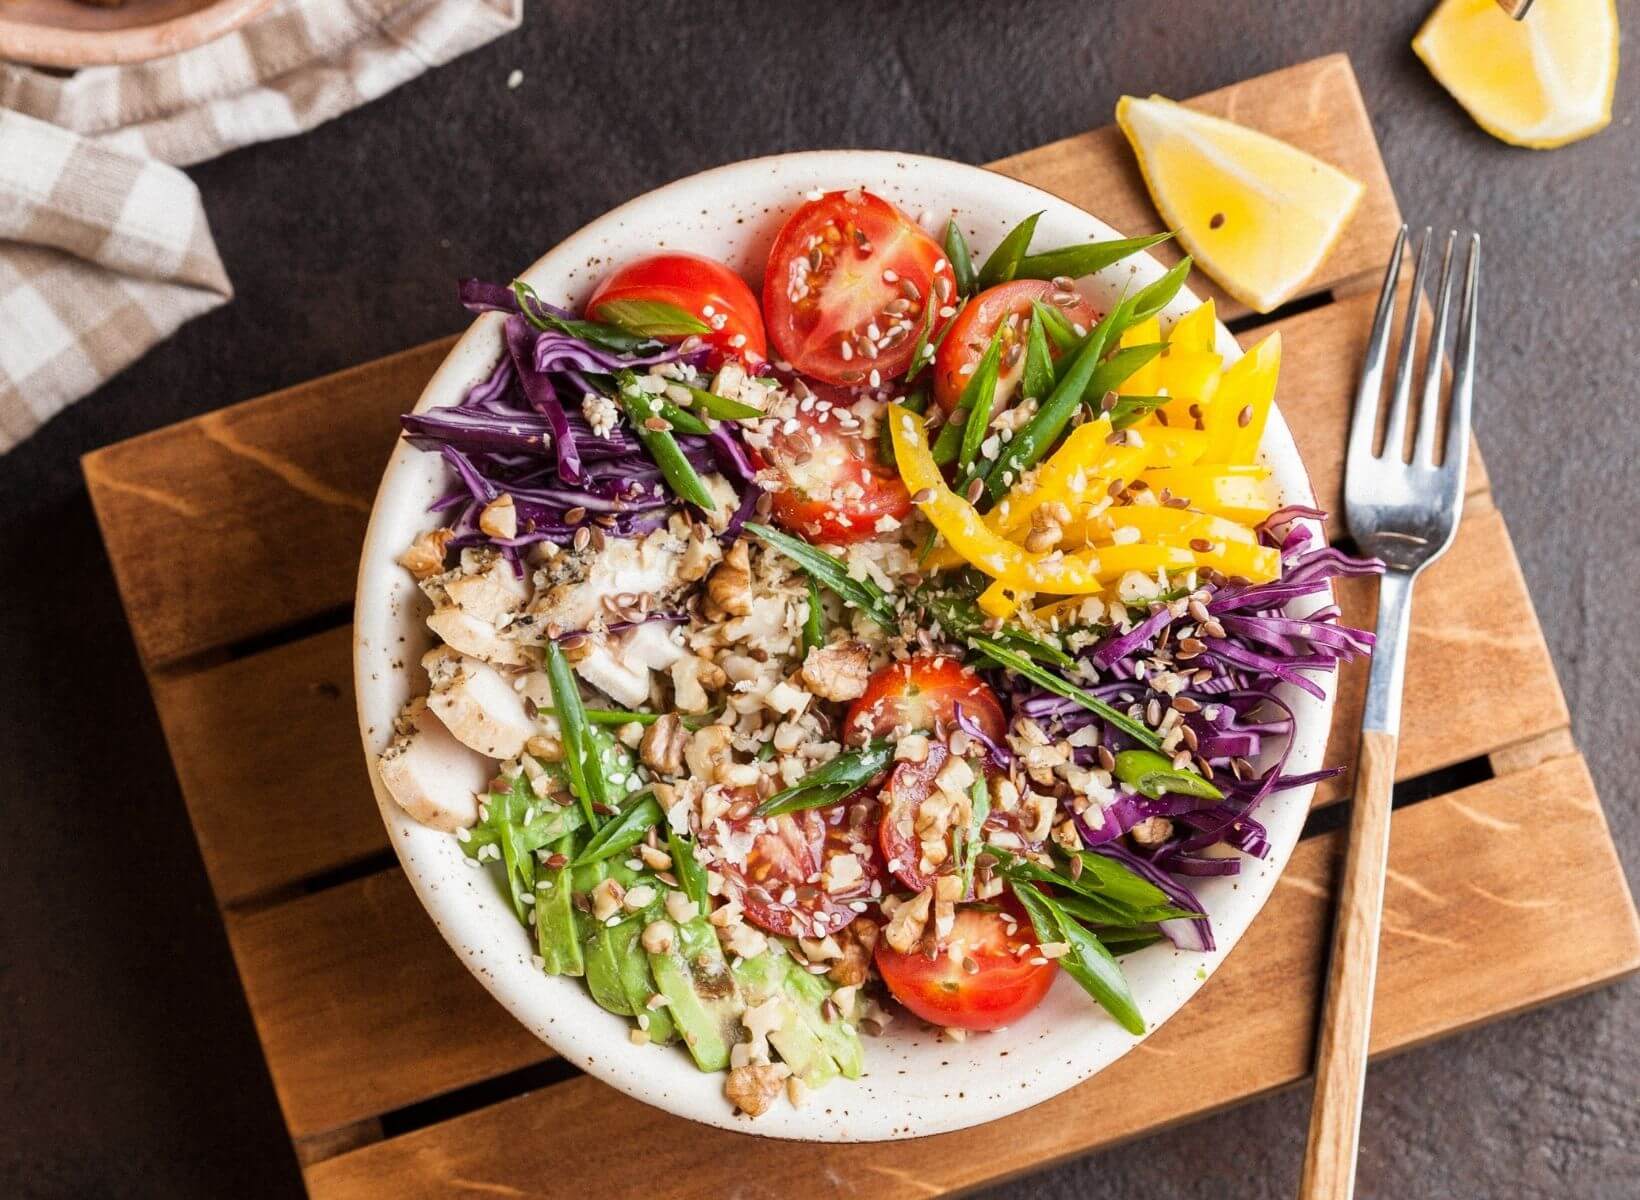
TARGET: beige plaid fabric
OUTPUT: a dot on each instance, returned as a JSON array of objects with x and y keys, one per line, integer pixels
[{"x": 104, "y": 248}]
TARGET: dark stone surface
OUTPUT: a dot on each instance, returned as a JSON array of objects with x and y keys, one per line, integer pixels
[{"x": 128, "y": 1066}]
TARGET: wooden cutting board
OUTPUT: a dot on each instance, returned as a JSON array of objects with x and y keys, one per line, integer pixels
[{"x": 235, "y": 536}]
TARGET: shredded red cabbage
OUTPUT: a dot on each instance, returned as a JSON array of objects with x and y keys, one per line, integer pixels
[
  {"x": 521, "y": 431},
  {"x": 1238, "y": 714}
]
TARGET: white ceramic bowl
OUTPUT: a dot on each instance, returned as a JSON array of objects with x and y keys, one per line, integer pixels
[{"x": 915, "y": 1084}]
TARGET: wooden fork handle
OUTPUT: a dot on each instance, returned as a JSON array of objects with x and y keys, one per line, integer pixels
[{"x": 1346, "y": 1018}]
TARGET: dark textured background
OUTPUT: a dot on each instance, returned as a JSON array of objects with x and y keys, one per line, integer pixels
[{"x": 127, "y": 1061}]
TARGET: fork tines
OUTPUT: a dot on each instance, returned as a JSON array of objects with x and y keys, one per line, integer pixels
[{"x": 1368, "y": 399}]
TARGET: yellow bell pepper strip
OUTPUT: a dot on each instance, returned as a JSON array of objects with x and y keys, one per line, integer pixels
[
  {"x": 1239, "y": 493},
  {"x": 1240, "y": 408},
  {"x": 957, "y": 521},
  {"x": 1083, "y": 454},
  {"x": 1079, "y": 473},
  {"x": 1196, "y": 330},
  {"x": 999, "y": 600},
  {"x": 1148, "y": 378},
  {"x": 1145, "y": 557},
  {"x": 1256, "y": 564},
  {"x": 1191, "y": 377},
  {"x": 1155, "y": 523}
]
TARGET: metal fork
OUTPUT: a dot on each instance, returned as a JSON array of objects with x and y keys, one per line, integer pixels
[{"x": 1405, "y": 513}]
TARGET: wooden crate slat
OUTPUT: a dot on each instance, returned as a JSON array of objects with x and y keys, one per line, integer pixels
[
  {"x": 249, "y": 519},
  {"x": 1233, "y": 1042},
  {"x": 1316, "y": 105},
  {"x": 362, "y": 1008},
  {"x": 267, "y": 752}
]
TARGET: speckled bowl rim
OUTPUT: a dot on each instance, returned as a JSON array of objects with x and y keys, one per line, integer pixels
[{"x": 915, "y": 1084}]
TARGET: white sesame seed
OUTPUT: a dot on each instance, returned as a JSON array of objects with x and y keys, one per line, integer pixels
[{"x": 515, "y": 79}]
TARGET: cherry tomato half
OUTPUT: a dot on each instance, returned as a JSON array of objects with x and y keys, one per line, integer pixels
[
  {"x": 907, "y": 786},
  {"x": 777, "y": 880},
  {"x": 1000, "y": 986},
  {"x": 834, "y": 487},
  {"x": 923, "y": 692},
  {"x": 702, "y": 287},
  {"x": 965, "y": 345},
  {"x": 845, "y": 291}
]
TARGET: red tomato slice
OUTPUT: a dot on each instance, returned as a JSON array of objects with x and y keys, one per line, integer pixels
[
  {"x": 1004, "y": 984},
  {"x": 701, "y": 286},
  {"x": 922, "y": 693},
  {"x": 779, "y": 882},
  {"x": 846, "y": 285},
  {"x": 908, "y": 786},
  {"x": 965, "y": 345},
  {"x": 834, "y": 489}
]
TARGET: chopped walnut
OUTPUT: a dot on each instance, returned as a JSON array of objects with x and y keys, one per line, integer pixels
[
  {"x": 708, "y": 749},
  {"x": 857, "y": 940},
  {"x": 606, "y": 899},
  {"x": 729, "y": 586},
  {"x": 500, "y": 517},
  {"x": 905, "y": 927},
  {"x": 692, "y": 678},
  {"x": 700, "y": 554},
  {"x": 753, "y": 1088},
  {"x": 837, "y": 672},
  {"x": 1152, "y": 831},
  {"x": 659, "y": 937},
  {"x": 425, "y": 556},
  {"x": 662, "y": 747}
]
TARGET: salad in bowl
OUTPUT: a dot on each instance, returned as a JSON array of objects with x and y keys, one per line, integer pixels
[{"x": 863, "y": 648}]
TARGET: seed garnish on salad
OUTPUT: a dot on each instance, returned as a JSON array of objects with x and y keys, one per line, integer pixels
[{"x": 877, "y": 649}]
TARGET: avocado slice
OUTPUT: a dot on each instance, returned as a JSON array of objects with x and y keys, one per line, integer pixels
[
  {"x": 705, "y": 1003},
  {"x": 557, "y": 938},
  {"x": 603, "y": 968},
  {"x": 766, "y": 976},
  {"x": 840, "y": 1038}
]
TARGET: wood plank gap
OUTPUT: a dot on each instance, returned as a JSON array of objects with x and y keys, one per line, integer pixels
[
  {"x": 317, "y": 1147},
  {"x": 1521, "y": 756}
]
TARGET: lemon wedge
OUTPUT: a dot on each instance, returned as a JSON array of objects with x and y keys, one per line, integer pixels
[
  {"x": 1258, "y": 215},
  {"x": 1539, "y": 82}
]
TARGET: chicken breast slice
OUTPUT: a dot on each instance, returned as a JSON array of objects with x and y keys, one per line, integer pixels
[
  {"x": 476, "y": 638},
  {"x": 429, "y": 774},
  {"x": 578, "y": 583},
  {"x": 477, "y": 704},
  {"x": 619, "y": 665}
]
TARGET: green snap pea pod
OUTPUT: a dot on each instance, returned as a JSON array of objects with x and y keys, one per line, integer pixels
[
  {"x": 680, "y": 476},
  {"x": 1152, "y": 774}
]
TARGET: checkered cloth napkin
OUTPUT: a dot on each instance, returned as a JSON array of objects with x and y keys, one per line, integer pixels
[{"x": 104, "y": 246}]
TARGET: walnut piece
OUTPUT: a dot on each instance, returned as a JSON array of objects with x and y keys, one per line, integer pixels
[
  {"x": 662, "y": 747},
  {"x": 500, "y": 517},
  {"x": 753, "y": 1088},
  {"x": 708, "y": 749},
  {"x": 837, "y": 672},
  {"x": 425, "y": 556},
  {"x": 857, "y": 940},
  {"x": 905, "y": 927},
  {"x": 1152, "y": 831},
  {"x": 699, "y": 556},
  {"x": 691, "y": 679},
  {"x": 729, "y": 586}
]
